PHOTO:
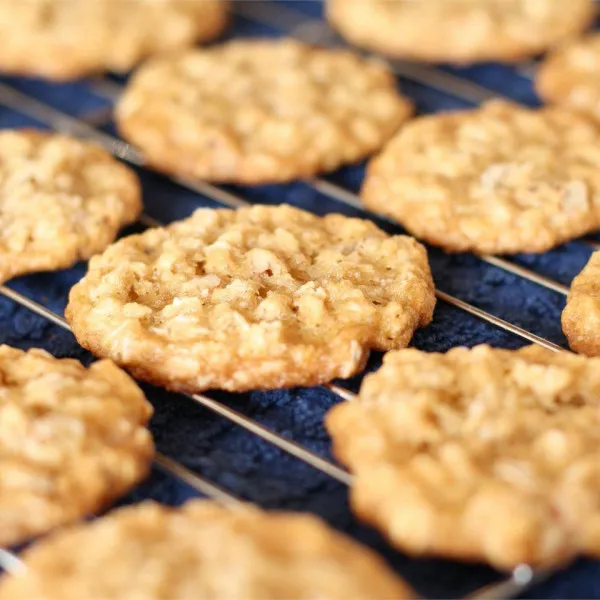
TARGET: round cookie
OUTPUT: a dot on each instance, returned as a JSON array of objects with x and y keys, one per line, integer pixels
[
  {"x": 496, "y": 179},
  {"x": 581, "y": 316},
  {"x": 61, "y": 200},
  {"x": 202, "y": 550},
  {"x": 258, "y": 298},
  {"x": 485, "y": 454},
  {"x": 569, "y": 76},
  {"x": 66, "y": 39},
  {"x": 459, "y": 31},
  {"x": 72, "y": 439},
  {"x": 260, "y": 111}
]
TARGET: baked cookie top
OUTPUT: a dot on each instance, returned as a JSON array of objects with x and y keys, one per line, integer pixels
[
  {"x": 202, "y": 550},
  {"x": 61, "y": 200},
  {"x": 256, "y": 298},
  {"x": 72, "y": 439},
  {"x": 59, "y": 39},
  {"x": 581, "y": 316},
  {"x": 460, "y": 31},
  {"x": 260, "y": 111},
  {"x": 569, "y": 76},
  {"x": 496, "y": 179},
  {"x": 484, "y": 454}
]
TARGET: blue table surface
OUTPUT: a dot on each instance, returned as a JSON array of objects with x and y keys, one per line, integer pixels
[{"x": 239, "y": 461}]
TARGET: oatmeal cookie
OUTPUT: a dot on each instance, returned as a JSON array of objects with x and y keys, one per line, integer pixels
[
  {"x": 569, "y": 76},
  {"x": 581, "y": 316},
  {"x": 459, "y": 31},
  {"x": 260, "y": 111},
  {"x": 256, "y": 298},
  {"x": 72, "y": 439},
  {"x": 496, "y": 179},
  {"x": 66, "y": 39},
  {"x": 202, "y": 550},
  {"x": 61, "y": 200},
  {"x": 484, "y": 454}
]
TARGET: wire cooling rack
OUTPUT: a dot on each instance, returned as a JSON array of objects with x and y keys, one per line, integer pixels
[{"x": 271, "y": 447}]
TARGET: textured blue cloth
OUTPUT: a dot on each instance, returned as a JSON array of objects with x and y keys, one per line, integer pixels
[{"x": 239, "y": 461}]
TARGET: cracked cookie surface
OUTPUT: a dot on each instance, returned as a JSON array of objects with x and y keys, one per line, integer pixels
[
  {"x": 202, "y": 550},
  {"x": 496, "y": 179},
  {"x": 61, "y": 200},
  {"x": 257, "y": 298},
  {"x": 260, "y": 111},
  {"x": 72, "y": 439},
  {"x": 484, "y": 454},
  {"x": 66, "y": 39},
  {"x": 460, "y": 31}
]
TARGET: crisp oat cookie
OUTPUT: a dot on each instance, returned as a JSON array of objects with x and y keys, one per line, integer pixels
[
  {"x": 257, "y": 298},
  {"x": 569, "y": 76},
  {"x": 71, "y": 440},
  {"x": 202, "y": 550},
  {"x": 496, "y": 179},
  {"x": 66, "y": 39},
  {"x": 481, "y": 454},
  {"x": 260, "y": 111},
  {"x": 581, "y": 316},
  {"x": 61, "y": 200},
  {"x": 459, "y": 31}
]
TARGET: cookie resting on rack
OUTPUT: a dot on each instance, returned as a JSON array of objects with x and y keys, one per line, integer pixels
[
  {"x": 581, "y": 316},
  {"x": 496, "y": 179},
  {"x": 569, "y": 76},
  {"x": 255, "y": 298},
  {"x": 459, "y": 31},
  {"x": 485, "y": 454},
  {"x": 61, "y": 200},
  {"x": 260, "y": 111},
  {"x": 61, "y": 40},
  {"x": 202, "y": 550},
  {"x": 72, "y": 439}
]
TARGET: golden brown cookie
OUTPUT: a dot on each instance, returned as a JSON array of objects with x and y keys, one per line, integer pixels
[
  {"x": 460, "y": 31},
  {"x": 496, "y": 179},
  {"x": 260, "y": 111},
  {"x": 484, "y": 454},
  {"x": 202, "y": 550},
  {"x": 258, "y": 298},
  {"x": 569, "y": 76},
  {"x": 66, "y": 39},
  {"x": 72, "y": 439},
  {"x": 61, "y": 200},
  {"x": 581, "y": 316}
]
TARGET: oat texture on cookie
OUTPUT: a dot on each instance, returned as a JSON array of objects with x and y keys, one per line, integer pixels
[
  {"x": 61, "y": 200},
  {"x": 569, "y": 76},
  {"x": 485, "y": 454},
  {"x": 496, "y": 179},
  {"x": 460, "y": 31},
  {"x": 260, "y": 111},
  {"x": 59, "y": 39},
  {"x": 581, "y": 316},
  {"x": 202, "y": 550},
  {"x": 256, "y": 298},
  {"x": 72, "y": 439}
]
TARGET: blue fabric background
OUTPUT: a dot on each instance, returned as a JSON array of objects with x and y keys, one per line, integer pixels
[{"x": 240, "y": 462}]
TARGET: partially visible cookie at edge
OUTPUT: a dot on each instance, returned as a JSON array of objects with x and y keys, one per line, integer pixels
[
  {"x": 581, "y": 316},
  {"x": 62, "y": 40},
  {"x": 260, "y": 111},
  {"x": 256, "y": 298},
  {"x": 487, "y": 455},
  {"x": 459, "y": 31},
  {"x": 72, "y": 439},
  {"x": 61, "y": 200},
  {"x": 569, "y": 76},
  {"x": 499, "y": 178}
]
